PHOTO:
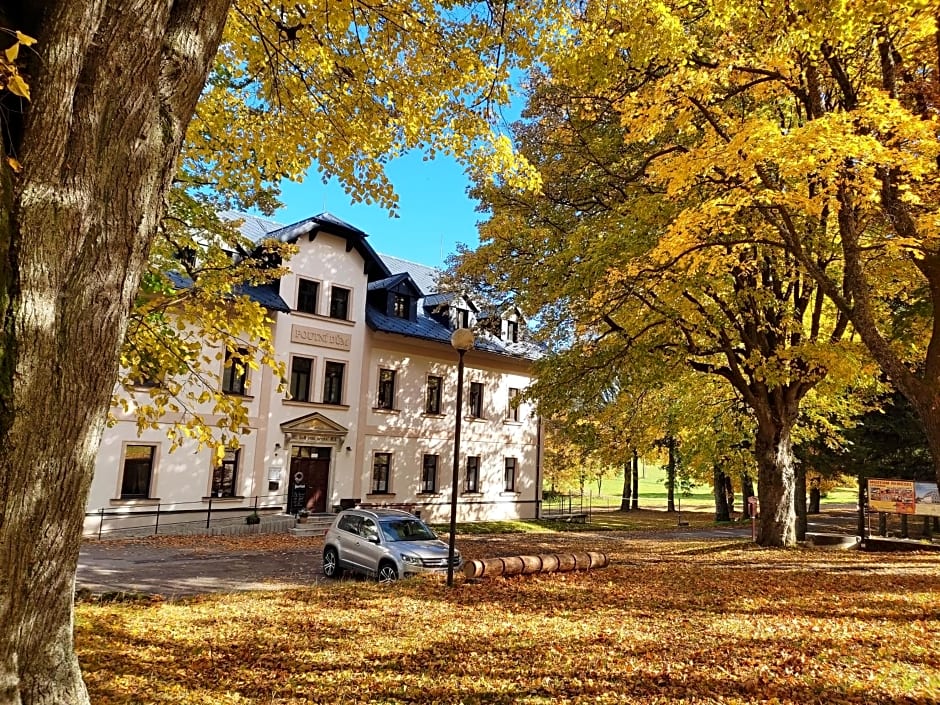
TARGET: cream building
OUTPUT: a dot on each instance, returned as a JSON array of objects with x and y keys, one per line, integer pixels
[{"x": 369, "y": 416}]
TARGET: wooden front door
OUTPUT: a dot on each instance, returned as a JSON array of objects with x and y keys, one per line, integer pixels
[{"x": 309, "y": 478}]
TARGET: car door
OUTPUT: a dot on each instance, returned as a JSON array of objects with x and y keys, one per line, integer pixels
[
  {"x": 370, "y": 549},
  {"x": 349, "y": 541}
]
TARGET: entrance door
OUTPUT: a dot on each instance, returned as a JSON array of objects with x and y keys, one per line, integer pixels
[{"x": 309, "y": 479}]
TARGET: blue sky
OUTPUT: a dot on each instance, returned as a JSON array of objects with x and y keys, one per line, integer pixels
[{"x": 434, "y": 210}]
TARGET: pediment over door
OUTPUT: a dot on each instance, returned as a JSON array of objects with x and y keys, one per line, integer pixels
[{"x": 314, "y": 428}]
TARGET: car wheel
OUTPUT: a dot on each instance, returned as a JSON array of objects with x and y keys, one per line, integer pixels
[
  {"x": 387, "y": 573},
  {"x": 330, "y": 563}
]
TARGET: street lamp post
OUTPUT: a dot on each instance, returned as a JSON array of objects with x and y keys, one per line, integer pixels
[{"x": 462, "y": 340}]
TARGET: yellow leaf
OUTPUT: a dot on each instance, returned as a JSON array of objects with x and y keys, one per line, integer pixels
[
  {"x": 12, "y": 52},
  {"x": 14, "y": 165},
  {"x": 25, "y": 39},
  {"x": 18, "y": 86}
]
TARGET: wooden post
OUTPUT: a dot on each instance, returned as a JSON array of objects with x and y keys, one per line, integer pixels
[{"x": 862, "y": 503}]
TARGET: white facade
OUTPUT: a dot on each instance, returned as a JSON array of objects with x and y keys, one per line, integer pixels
[{"x": 331, "y": 442}]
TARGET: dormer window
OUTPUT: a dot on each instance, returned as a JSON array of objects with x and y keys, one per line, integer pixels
[
  {"x": 462, "y": 318},
  {"x": 339, "y": 303},
  {"x": 401, "y": 306},
  {"x": 512, "y": 331}
]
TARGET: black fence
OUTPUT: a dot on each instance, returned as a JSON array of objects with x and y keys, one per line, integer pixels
[
  {"x": 555, "y": 504},
  {"x": 203, "y": 515}
]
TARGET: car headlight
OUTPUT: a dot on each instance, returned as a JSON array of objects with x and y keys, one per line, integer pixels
[{"x": 413, "y": 560}]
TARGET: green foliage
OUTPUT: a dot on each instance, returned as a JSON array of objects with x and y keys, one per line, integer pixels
[
  {"x": 190, "y": 315},
  {"x": 884, "y": 442},
  {"x": 793, "y": 146},
  {"x": 724, "y": 187}
]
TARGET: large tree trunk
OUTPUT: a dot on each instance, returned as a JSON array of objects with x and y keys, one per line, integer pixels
[
  {"x": 114, "y": 85},
  {"x": 625, "y": 497},
  {"x": 776, "y": 481},
  {"x": 920, "y": 382},
  {"x": 926, "y": 403}
]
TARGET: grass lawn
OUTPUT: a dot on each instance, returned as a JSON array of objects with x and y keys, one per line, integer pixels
[
  {"x": 635, "y": 520},
  {"x": 690, "y": 621},
  {"x": 652, "y": 494}
]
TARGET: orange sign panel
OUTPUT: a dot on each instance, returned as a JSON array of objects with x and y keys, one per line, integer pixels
[{"x": 892, "y": 496}]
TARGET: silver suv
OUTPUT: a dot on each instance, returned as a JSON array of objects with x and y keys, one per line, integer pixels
[{"x": 385, "y": 543}]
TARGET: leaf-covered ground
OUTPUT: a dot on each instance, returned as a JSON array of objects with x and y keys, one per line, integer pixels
[{"x": 693, "y": 621}]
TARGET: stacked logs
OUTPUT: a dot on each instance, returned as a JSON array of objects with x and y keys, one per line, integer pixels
[{"x": 527, "y": 565}]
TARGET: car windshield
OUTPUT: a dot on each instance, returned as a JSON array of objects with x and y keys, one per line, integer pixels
[{"x": 406, "y": 530}]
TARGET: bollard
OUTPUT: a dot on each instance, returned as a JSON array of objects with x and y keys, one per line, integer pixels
[{"x": 528, "y": 565}]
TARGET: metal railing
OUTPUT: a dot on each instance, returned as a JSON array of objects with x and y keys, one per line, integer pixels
[
  {"x": 146, "y": 519},
  {"x": 555, "y": 503}
]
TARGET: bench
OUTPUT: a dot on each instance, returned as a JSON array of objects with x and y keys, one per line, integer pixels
[{"x": 571, "y": 518}]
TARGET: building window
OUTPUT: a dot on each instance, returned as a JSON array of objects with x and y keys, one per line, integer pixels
[
  {"x": 472, "y": 482},
  {"x": 307, "y": 296},
  {"x": 429, "y": 474},
  {"x": 512, "y": 331},
  {"x": 401, "y": 306},
  {"x": 512, "y": 413},
  {"x": 235, "y": 373},
  {"x": 476, "y": 400},
  {"x": 333, "y": 383},
  {"x": 301, "y": 372},
  {"x": 509, "y": 475},
  {"x": 224, "y": 476},
  {"x": 432, "y": 404},
  {"x": 138, "y": 472},
  {"x": 386, "y": 398},
  {"x": 339, "y": 303},
  {"x": 381, "y": 468},
  {"x": 463, "y": 318}
]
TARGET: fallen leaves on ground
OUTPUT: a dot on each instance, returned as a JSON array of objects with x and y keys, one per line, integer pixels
[
  {"x": 214, "y": 544},
  {"x": 685, "y": 621}
]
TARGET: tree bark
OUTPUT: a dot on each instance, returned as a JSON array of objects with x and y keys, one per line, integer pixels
[
  {"x": 636, "y": 480},
  {"x": 722, "y": 512},
  {"x": 114, "y": 85},
  {"x": 747, "y": 491},
  {"x": 625, "y": 498},
  {"x": 776, "y": 481},
  {"x": 861, "y": 527},
  {"x": 671, "y": 475},
  {"x": 815, "y": 497},
  {"x": 729, "y": 495}
]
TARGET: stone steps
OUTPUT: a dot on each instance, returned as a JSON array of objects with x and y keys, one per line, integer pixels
[{"x": 316, "y": 525}]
